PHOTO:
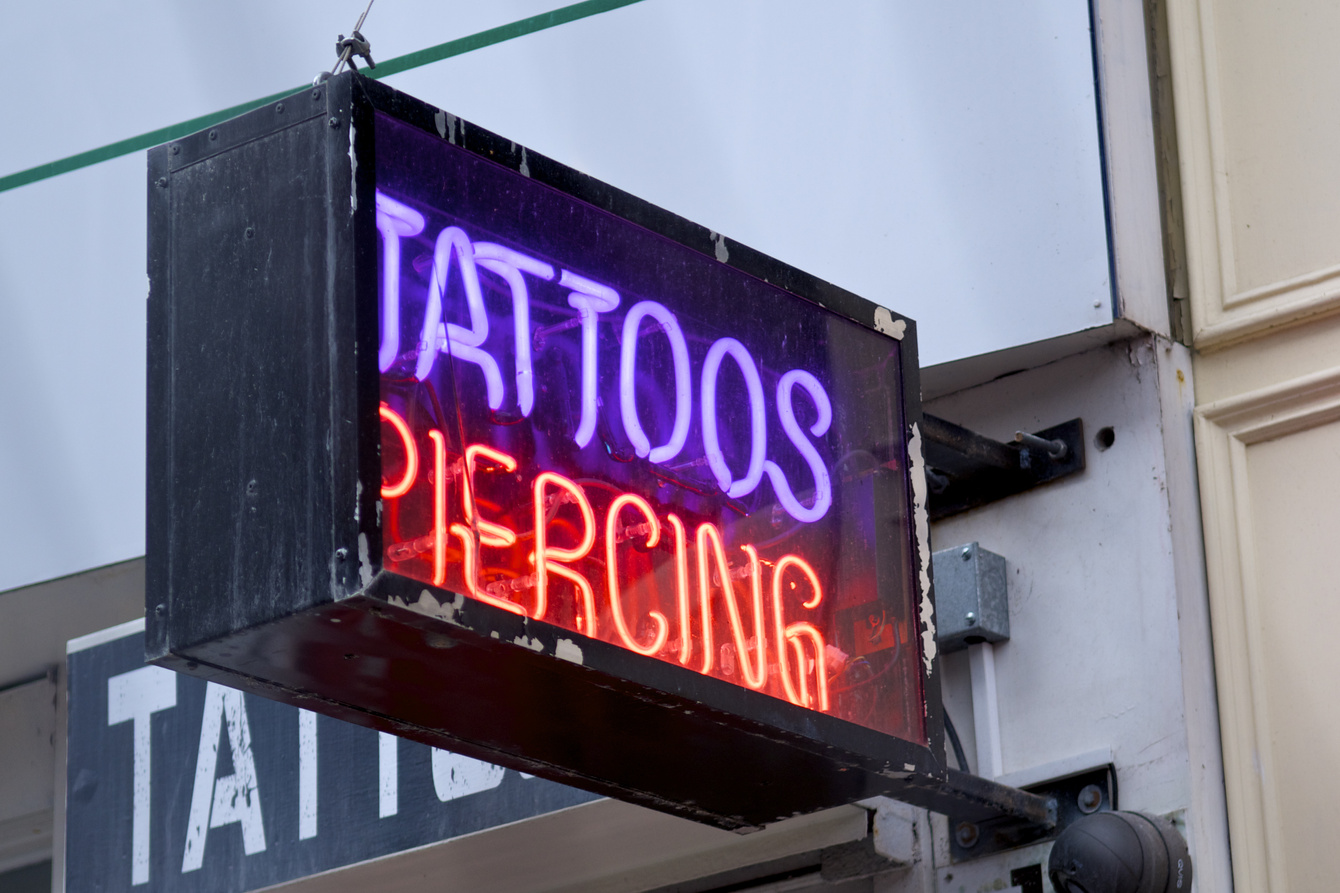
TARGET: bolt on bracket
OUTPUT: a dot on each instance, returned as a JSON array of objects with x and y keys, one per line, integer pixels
[{"x": 965, "y": 469}]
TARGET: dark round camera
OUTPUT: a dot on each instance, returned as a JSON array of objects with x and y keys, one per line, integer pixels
[{"x": 1120, "y": 852}]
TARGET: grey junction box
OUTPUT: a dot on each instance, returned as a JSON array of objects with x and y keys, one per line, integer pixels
[{"x": 971, "y": 597}]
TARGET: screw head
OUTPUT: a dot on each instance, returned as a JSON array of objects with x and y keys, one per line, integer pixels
[
  {"x": 970, "y": 618},
  {"x": 279, "y": 108},
  {"x": 966, "y": 834},
  {"x": 341, "y": 554},
  {"x": 251, "y": 232},
  {"x": 213, "y": 134},
  {"x": 966, "y": 554},
  {"x": 316, "y": 94},
  {"x": 334, "y": 122},
  {"x": 176, "y": 148},
  {"x": 162, "y": 182},
  {"x": 1089, "y": 799}
]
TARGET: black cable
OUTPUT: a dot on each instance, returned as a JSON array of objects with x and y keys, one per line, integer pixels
[{"x": 956, "y": 743}]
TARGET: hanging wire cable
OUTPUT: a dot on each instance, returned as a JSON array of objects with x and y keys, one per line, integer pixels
[
  {"x": 956, "y": 744},
  {"x": 354, "y": 45},
  {"x": 458, "y": 47}
]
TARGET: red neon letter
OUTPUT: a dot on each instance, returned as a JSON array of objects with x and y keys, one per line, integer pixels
[
  {"x": 709, "y": 539},
  {"x": 411, "y": 454},
  {"x": 476, "y": 531},
  {"x": 439, "y": 507},
  {"x": 547, "y": 558},
  {"x": 470, "y": 551},
  {"x": 490, "y": 533},
  {"x": 612, "y": 571},
  {"x": 682, "y": 587},
  {"x": 791, "y": 634}
]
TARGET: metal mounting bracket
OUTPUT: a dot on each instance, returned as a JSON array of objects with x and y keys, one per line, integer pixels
[
  {"x": 965, "y": 470},
  {"x": 1074, "y": 797}
]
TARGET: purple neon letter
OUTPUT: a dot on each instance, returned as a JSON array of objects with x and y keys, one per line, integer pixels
[
  {"x": 459, "y": 341},
  {"x": 394, "y": 220},
  {"x": 679, "y": 352},
  {"x": 823, "y": 487},
  {"x": 510, "y": 265},
  {"x": 758, "y": 442},
  {"x": 590, "y": 299}
]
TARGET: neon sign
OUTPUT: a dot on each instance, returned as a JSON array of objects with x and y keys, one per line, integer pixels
[
  {"x": 589, "y": 425},
  {"x": 488, "y": 454}
]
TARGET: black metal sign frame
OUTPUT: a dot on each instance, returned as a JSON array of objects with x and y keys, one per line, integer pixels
[{"x": 264, "y": 540}]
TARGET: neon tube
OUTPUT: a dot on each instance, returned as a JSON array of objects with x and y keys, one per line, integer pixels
[
  {"x": 470, "y": 553},
  {"x": 411, "y": 453},
  {"x": 807, "y": 630},
  {"x": 682, "y": 588},
  {"x": 588, "y": 596},
  {"x": 709, "y": 541},
  {"x": 759, "y": 676},
  {"x": 798, "y": 650},
  {"x": 460, "y": 342},
  {"x": 590, "y": 300},
  {"x": 476, "y": 531},
  {"x": 394, "y": 221},
  {"x": 546, "y": 557},
  {"x": 612, "y": 571},
  {"x": 706, "y": 532},
  {"x": 510, "y": 265},
  {"x": 823, "y": 486},
  {"x": 757, "y": 419},
  {"x": 790, "y": 634},
  {"x": 439, "y": 507},
  {"x": 779, "y": 631},
  {"x": 491, "y": 533},
  {"x": 679, "y": 352}
]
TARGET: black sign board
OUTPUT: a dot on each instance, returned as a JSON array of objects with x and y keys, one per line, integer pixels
[
  {"x": 176, "y": 784},
  {"x": 449, "y": 440}
]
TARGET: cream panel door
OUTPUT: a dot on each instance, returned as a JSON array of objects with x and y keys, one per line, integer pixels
[
  {"x": 1256, "y": 88},
  {"x": 1270, "y": 481}
]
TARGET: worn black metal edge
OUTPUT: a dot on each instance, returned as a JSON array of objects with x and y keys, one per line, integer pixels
[
  {"x": 158, "y": 373},
  {"x": 349, "y": 270},
  {"x": 543, "y": 169},
  {"x": 333, "y": 96},
  {"x": 302, "y": 105},
  {"x": 920, "y": 551},
  {"x": 847, "y": 774},
  {"x": 885, "y": 752},
  {"x": 352, "y": 165},
  {"x": 852, "y": 775}
]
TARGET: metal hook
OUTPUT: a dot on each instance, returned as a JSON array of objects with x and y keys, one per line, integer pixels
[{"x": 348, "y": 47}]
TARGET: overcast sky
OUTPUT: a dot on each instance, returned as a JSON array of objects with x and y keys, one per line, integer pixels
[{"x": 938, "y": 158}]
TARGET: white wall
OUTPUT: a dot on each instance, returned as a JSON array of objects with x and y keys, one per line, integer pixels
[{"x": 1109, "y": 618}]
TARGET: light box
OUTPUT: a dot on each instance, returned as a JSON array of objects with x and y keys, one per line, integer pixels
[{"x": 453, "y": 441}]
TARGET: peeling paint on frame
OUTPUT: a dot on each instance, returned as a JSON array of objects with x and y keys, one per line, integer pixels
[
  {"x": 569, "y": 651},
  {"x": 922, "y": 528},
  {"x": 884, "y": 322},
  {"x": 353, "y": 172}
]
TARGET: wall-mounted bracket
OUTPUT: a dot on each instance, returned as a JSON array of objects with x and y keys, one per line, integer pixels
[
  {"x": 1073, "y": 797},
  {"x": 965, "y": 470}
]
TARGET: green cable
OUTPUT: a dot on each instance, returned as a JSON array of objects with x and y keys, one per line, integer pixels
[{"x": 502, "y": 33}]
